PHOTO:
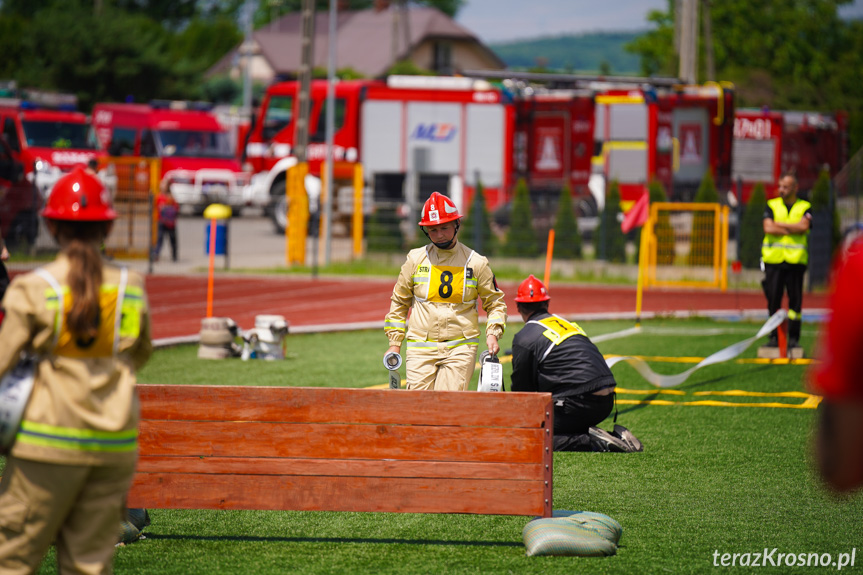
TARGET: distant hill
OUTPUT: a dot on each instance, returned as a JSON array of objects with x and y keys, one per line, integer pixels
[{"x": 574, "y": 53}]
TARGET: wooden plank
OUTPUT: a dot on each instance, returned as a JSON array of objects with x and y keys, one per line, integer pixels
[
  {"x": 335, "y": 405},
  {"x": 340, "y": 467},
  {"x": 304, "y": 493},
  {"x": 340, "y": 441},
  {"x": 548, "y": 459}
]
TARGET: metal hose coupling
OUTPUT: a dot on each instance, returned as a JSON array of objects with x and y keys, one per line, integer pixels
[{"x": 392, "y": 361}]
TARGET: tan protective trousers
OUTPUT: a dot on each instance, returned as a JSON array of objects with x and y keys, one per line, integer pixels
[
  {"x": 442, "y": 368},
  {"x": 77, "y": 507}
]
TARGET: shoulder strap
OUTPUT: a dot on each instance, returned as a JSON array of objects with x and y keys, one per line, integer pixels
[
  {"x": 61, "y": 313},
  {"x": 118, "y": 313}
]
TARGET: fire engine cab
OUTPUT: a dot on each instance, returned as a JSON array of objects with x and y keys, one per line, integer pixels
[
  {"x": 195, "y": 150},
  {"x": 769, "y": 144},
  {"x": 413, "y": 135},
  {"x": 47, "y": 135}
]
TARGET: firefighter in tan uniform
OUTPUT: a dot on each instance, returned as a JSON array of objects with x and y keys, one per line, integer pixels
[
  {"x": 440, "y": 283},
  {"x": 69, "y": 470}
]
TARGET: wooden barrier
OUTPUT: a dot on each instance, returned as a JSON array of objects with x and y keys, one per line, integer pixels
[{"x": 326, "y": 449}]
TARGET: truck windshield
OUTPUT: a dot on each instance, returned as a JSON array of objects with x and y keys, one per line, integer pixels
[
  {"x": 194, "y": 144},
  {"x": 71, "y": 135},
  {"x": 278, "y": 116}
]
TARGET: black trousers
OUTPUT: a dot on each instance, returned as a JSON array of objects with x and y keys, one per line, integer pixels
[
  {"x": 575, "y": 415},
  {"x": 172, "y": 236},
  {"x": 781, "y": 278}
]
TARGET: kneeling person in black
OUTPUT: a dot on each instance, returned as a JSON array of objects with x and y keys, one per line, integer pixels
[{"x": 553, "y": 355}]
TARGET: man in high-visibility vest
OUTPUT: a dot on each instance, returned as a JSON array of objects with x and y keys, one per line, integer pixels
[{"x": 785, "y": 254}]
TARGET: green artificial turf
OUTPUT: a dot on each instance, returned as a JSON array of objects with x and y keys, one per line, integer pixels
[{"x": 711, "y": 479}]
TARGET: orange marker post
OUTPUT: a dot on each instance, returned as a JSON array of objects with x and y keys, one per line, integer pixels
[
  {"x": 782, "y": 333},
  {"x": 548, "y": 254},
  {"x": 212, "y": 264}
]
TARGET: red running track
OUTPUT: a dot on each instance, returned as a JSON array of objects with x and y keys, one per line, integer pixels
[{"x": 178, "y": 303}]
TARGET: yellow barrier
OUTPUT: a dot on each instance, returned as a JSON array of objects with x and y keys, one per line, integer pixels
[
  {"x": 687, "y": 246},
  {"x": 298, "y": 214}
]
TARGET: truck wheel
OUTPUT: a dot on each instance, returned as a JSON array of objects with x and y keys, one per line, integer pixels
[{"x": 278, "y": 206}]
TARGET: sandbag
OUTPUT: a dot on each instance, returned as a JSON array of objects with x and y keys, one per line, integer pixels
[{"x": 562, "y": 536}]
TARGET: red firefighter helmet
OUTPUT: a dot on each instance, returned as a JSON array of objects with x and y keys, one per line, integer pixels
[
  {"x": 438, "y": 209},
  {"x": 531, "y": 290},
  {"x": 79, "y": 196}
]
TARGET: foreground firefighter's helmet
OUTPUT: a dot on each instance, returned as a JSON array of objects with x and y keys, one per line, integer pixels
[
  {"x": 531, "y": 290},
  {"x": 438, "y": 209},
  {"x": 79, "y": 197}
]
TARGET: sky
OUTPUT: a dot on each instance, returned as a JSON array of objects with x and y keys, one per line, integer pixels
[{"x": 503, "y": 20}]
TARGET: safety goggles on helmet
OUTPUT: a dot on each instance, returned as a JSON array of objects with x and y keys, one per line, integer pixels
[
  {"x": 438, "y": 209},
  {"x": 531, "y": 290},
  {"x": 79, "y": 197}
]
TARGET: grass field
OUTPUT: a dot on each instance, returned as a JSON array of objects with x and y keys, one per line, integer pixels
[{"x": 732, "y": 479}]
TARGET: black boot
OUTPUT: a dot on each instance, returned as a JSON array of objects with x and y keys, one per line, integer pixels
[
  {"x": 627, "y": 437},
  {"x": 794, "y": 326},
  {"x": 603, "y": 441}
]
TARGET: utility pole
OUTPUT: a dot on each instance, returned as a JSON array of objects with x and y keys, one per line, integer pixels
[
  {"x": 406, "y": 29},
  {"x": 301, "y": 134},
  {"x": 708, "y": 42},
  {"x": 394, "y": 45},
  {"x": 247, "y": 51},
  {"x": 689, "y": 41},
  {"x": 330, "y": 196}
]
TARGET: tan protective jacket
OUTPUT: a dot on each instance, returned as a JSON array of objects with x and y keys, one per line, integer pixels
[
  {"x": 442, "y": 286},
  {"x": 84, "y": 407}
]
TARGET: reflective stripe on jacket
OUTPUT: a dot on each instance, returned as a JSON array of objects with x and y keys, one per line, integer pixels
[
  {"x": 84, "y": 408},
  {"x": 441, "y": 288}
]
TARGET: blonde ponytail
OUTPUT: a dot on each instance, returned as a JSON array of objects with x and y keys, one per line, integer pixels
[{"x": 81, "y": 245}]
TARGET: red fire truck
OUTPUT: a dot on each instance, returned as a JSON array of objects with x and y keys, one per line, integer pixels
[
  {"x": 412, "y": 134},
  {"x": 195, "y": 151},
  {"x": 585, "y": 132},
  {"x": 47, "y": 134},
  {"x": 769, "y": 144},
  {"x": 553, "y": 145},
  {"x": 673, "y": 135},
  {"x": 415, "y": 135},
  {"x": 20, "y": 201}
]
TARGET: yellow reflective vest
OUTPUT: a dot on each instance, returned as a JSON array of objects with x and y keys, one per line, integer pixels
[
  {"x": 791, "y": 248},
  {"x": 441, "y": 288},
  {"x": 84, "y": 407}
]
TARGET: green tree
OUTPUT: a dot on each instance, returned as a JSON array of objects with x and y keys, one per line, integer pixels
[
  {"x": 701, "y": 248},
  {"x": 609, "y": 241},
  {"x": 99, "y": 59},
  {"x": 785, "y": 54},
  {"x": 752, "y": 229},
  {"x": 567, "y": 239},
  {"x": 477, "y": 225},
  {"x": 821, "y": 202},
  {"x": 384, "y": 232},
  {"x": 521, "y": 237}
]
